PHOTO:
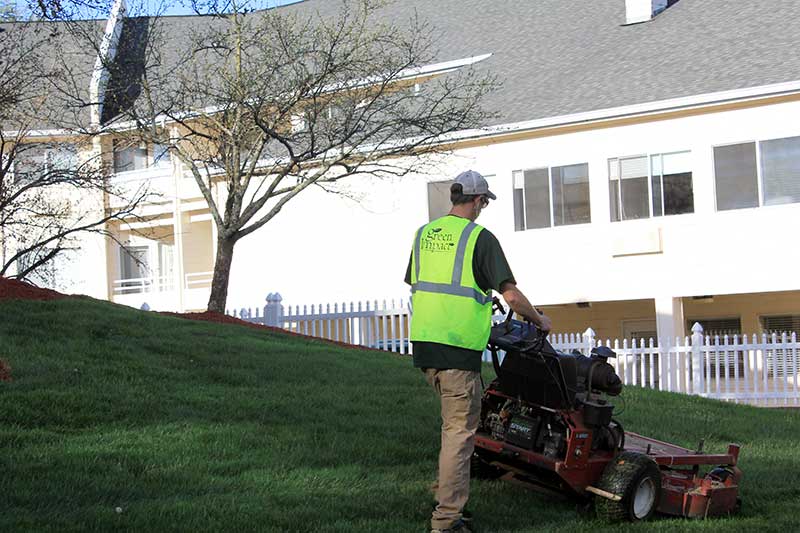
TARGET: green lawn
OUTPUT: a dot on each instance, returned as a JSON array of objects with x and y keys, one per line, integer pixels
[{"x": 192, "y": 426}]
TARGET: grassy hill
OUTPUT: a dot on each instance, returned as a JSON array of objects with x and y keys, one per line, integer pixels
[{"x": 119, "y": 419}]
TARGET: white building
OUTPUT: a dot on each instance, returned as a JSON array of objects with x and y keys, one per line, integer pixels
[{"x": 648, "y": 176}]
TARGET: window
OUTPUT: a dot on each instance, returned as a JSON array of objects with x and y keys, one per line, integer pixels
[
  {"x": 780, "y": 171},
  {"x": 129, "y": 157},
  {"x": 34, "y": 161},
  {"x": 558, "y": 196},
  {"x": 134, "y": 262},
  {"x": 658, "y": 185},
  {"x": 735, "y": 176},
  {"x": 439, "y": 199},
  {"x": 755, "y": 174},
  {"x": 729, "y": 362},
  {"x": 161, "y": 155},
  {"x": 781, "y": 324},
  {"x": 717, "y": 326}
]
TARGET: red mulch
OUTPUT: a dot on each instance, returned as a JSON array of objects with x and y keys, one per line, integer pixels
[
  {"x": 14, "y": 289},
  {"x": 210, "y": 316},
  {"x": 20, "y": 290}
]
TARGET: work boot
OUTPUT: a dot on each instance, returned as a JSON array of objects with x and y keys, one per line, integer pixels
[
  {"x": 458, "y": 527},
  {"x": 466, "y": 516}
]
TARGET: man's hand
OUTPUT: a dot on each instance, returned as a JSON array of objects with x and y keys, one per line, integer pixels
[
  {"x": 520, "y": 304},
  {"x": 545, "y": 323}
]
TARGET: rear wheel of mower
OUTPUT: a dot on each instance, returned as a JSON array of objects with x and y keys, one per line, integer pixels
[
  {"x": 481, "y": 469},
  {"x": 637, "y": 479}
]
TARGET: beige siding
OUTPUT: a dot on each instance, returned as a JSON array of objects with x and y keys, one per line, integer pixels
[{"x": 607, "y": 318}]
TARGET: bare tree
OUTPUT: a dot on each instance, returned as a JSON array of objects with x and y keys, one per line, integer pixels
[
  {"x": 53, "y": 186},
  {"x": 260, "y": 106}
]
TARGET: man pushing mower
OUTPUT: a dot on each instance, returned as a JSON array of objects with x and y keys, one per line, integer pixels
[{"x": 454, "y": 266}]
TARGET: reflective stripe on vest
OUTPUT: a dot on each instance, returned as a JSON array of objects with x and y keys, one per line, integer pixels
[
  {"x": 455, "y": 288},
  {"x": 449, "y": 307}
]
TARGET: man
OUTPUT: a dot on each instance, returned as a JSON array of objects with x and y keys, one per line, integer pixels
[{"x": 454, "y": 266}]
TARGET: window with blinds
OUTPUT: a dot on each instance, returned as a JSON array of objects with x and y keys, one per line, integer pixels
[
  {"x": 720, "y": 362},
  {"x": 717, "y": 326},
  {"x": 650, "y": 186},
  {"x": 780, "y": 324},
  {"x": 554, "y": 196}
]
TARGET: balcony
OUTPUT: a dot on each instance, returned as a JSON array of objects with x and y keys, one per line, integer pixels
[{"x": 159, "y": 293}]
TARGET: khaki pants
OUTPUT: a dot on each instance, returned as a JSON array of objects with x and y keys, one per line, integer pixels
[{"x": 460, "y": 394}]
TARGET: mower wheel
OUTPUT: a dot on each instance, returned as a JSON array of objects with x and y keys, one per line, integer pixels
[
  {"x": 637, "y": 479},
  {"x": 481, "y": 469}
]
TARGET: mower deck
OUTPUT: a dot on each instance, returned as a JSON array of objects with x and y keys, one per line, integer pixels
[{"x": 684, "y": 491}]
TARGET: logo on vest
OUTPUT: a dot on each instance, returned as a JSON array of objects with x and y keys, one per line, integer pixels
[{"x": 436, "y": 240}]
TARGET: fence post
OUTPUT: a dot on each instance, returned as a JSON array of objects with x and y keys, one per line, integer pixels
[
  {"x": 273, "y": 311},
  {"x": 588, "y": 340},
  {"x": 697, "y": 359}
]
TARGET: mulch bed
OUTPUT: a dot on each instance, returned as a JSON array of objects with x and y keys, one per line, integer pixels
[{"x": 20, "y": 290}]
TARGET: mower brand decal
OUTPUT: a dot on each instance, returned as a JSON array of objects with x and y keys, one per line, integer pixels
[{"x": 436, "y": 240}]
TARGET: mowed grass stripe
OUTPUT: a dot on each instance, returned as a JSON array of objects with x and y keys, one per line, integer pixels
[{"x": 193, "y": 426}]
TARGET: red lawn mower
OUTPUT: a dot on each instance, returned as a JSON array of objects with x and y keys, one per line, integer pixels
[{"x": 546, "y": 422}]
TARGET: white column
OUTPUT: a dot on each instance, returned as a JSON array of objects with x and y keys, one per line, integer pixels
[
  {"x": 669, "y": 324},
  {"x": 669, "y": 319},
  {"x": 177, "y": 228}
]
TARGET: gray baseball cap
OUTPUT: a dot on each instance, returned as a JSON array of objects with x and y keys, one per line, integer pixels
[{"x": 473, "y": 183}]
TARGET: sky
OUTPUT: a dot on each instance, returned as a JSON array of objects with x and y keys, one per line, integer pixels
[
  {"x": 150, "y": 7},
  {"x": 184, "y": 8}
]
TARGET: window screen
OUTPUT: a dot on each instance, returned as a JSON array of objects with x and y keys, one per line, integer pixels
[
  {"x": 735, "y": 176},
  {"x": 537, "y": 199},
  {"x": 571, "y": 195},
  {"x": 673, "y": 192},
  {"x": 780, "y": 170},
  {"x": 628, "y": 182}
]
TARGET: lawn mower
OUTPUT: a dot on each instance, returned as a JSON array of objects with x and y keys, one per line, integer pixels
[{"x": 546, "y": 422}]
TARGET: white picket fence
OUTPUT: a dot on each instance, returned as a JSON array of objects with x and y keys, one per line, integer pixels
[{"x": 759, "y": 370}]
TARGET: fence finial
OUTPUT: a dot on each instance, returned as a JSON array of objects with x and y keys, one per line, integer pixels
[
  {"x": 697, "y": 328},
  {"x": 273, "y": 311}
]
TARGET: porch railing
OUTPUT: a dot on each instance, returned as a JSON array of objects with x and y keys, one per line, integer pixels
[{"x": 146, "y": 284}]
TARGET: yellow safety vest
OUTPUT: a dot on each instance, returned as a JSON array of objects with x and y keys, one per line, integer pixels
[{"x": 448, "y": 306}]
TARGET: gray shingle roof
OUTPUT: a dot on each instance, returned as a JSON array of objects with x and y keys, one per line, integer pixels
[
  {"x": 559, "y": 57},
  {"x": 64, "y": 62}
]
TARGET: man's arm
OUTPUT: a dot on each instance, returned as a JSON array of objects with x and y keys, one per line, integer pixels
[{"x": 520, "y": 304}]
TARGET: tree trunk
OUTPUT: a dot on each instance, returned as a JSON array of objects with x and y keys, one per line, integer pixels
[{"x": 222, "y": 274}]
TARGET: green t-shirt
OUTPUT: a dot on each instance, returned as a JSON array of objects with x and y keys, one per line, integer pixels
[{"x": 491, "y": 270}]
